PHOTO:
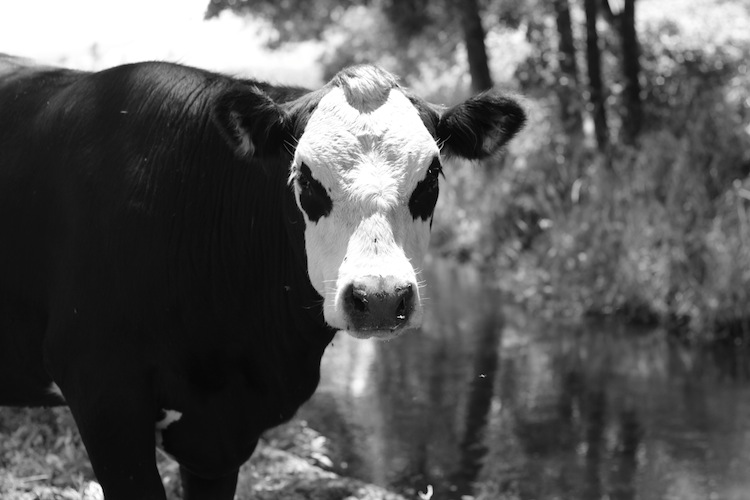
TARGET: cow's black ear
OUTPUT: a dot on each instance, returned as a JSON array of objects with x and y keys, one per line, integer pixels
[
  {"x": 251, "y": 122},
  {"x": 480, "y": 126}
]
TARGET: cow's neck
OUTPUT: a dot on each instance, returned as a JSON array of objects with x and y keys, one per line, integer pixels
[{"x": 247, "y": 257}]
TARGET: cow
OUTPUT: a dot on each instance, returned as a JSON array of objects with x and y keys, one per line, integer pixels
[{"x": 178, "y": 247}]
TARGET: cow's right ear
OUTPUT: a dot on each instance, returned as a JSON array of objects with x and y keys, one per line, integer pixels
[{"x": 251, "y": 122}]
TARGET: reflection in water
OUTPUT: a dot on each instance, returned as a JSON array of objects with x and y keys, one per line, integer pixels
[
  {"x": 472, "y": 449},
  {"x": 488, "y": 403}
]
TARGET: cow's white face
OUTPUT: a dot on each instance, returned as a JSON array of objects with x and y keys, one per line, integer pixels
[
  {"x": 354, "y": 174},
  {"x": 365, "y": 175}
]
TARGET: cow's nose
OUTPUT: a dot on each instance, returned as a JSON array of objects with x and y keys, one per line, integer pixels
[{"x": 378, "y": 303}]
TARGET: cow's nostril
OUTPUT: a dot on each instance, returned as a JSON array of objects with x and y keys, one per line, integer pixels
[
  {"x": 405, "y": 303},
  {"x": 358, "y": 299},
  {"x": 371, "y": 303},
  {"x": 401, "y": 311}
]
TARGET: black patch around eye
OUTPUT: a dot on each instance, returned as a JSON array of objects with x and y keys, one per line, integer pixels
[
  {"x": 312, "y": 195},
  {"x": 425, "y": 195}
]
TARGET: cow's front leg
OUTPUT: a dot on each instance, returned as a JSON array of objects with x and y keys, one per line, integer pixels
[
  {"x": 195, "y": 487},
  {"x": 117, "y": 428}
]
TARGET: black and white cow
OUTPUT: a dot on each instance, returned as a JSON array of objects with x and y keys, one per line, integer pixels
[{"x": 178, "y": 248}]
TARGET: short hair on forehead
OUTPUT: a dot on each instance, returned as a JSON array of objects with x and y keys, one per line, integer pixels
[{"x": 365, "y": 87}]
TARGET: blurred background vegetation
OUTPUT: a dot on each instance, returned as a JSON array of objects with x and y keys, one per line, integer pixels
[{"x": 628, "y": 192}]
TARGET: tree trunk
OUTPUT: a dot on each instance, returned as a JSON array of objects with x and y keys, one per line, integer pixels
[
  {"x": 479, "y": 68},
  {"x": 596, "y": 87},
  {"x": 408, "y": 17},
  {"x": 568, "y": 92},
  {"x": 631, "y": 96}
]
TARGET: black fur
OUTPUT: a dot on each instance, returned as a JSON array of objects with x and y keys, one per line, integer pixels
[
  {"x": 251, "y": 121},
  {"x": 424, "y": 198},
  {"x": 480, "y": 126},
  {"x": 313, "y": 196}
]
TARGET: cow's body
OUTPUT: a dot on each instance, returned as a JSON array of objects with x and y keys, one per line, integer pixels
[{"x": 154, "y": 253}]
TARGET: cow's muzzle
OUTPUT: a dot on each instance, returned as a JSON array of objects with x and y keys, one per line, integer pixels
[{"x": 378, "y": 304}]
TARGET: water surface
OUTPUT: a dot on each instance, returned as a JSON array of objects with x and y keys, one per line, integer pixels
[{"x": 488, "y": 401}]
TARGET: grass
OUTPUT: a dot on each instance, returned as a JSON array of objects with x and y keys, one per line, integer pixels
[{"x": 42, "y": 458}]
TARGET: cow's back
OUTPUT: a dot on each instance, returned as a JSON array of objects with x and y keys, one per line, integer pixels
[
  {"x": 28, "y": 206},
  {"x": 93, "y": 169},
  {"x": 85, "y": 160}
]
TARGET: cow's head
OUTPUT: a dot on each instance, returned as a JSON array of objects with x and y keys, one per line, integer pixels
[{"x": 367, "y": 161}]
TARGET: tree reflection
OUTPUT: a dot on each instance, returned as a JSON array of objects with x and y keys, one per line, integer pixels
[
  {"x": 624, "y": 473},
  {"x": 488, "y": 403},
  {"x": 596, "y": 407},
  {"x": 472, "y": 448}
]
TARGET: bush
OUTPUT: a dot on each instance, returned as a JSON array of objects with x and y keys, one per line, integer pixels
[{"x": 661, "y": 235}]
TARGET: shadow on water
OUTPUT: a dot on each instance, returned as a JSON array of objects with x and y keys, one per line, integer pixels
[{"x": 486, "y": 402}]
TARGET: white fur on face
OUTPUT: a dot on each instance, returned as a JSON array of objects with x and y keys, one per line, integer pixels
[{"x": 369, "y": 163}]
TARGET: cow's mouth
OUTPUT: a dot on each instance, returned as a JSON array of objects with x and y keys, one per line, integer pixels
[{"x": 378, "y": 333}]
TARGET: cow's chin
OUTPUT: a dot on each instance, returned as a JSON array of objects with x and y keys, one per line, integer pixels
[{"x": 383, "y": 335}]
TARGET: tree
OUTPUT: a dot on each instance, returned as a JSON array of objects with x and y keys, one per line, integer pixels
[
  {"x": 624, "y": 22},
  {"x": 476, "y": 51},
  {"x": 305, "y": 19},
  {"x": 596, "y": 86},
  {"x": 408, "y": 17},
  {"x": 567, "y": 90}
]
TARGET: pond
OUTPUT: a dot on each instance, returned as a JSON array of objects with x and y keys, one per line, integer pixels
[{"x": 488, "y": 402}]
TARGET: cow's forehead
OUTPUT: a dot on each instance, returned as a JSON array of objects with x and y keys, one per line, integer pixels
[{"x": 339, "y": 136}]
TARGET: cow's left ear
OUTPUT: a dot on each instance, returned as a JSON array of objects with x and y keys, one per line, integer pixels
[
  {"x": 480, "y": 126},
  {"x": 251, "y": 122}
]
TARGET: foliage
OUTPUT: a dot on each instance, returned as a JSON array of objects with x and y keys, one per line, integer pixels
[
  {"x": 409, "y": 35},
  {"x": 364, "y": 35},
  {"x": 299, "y": 20},
  {"x": 292, "y": 20},
  {"x": 661, "y": 237},
  {"x": 656, "y": 232},
  {"x": 703, "y": 47}
]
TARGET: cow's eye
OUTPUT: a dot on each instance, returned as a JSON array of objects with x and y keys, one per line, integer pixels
[
  {"x": 425, "y": 195},
  {"x": 312, "y": 195}
]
